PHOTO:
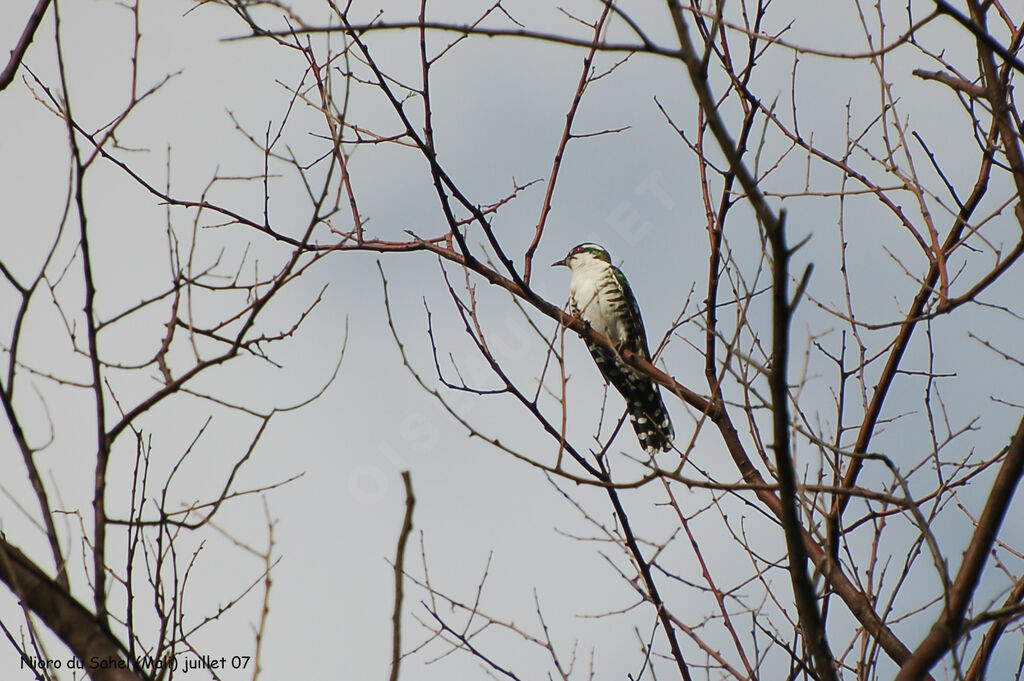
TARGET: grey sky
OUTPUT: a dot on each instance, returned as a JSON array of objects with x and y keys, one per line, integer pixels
[{"x": 500, "y": 109}]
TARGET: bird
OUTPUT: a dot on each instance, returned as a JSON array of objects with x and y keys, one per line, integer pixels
[{"x": 600, "y": 295}]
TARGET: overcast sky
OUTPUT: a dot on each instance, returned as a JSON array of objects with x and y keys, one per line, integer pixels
[{"x": 500, "y": 108}]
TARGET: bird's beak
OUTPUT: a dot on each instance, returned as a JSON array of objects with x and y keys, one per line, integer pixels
[{"x": 560, "y": 262}]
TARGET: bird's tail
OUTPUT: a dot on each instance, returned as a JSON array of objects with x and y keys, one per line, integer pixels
[
  {"x": 650, "y": 420},
  {"x": 646, "y": 409}
]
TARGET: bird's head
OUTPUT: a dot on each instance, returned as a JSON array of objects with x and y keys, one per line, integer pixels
[{"x": 582, "y": 255}]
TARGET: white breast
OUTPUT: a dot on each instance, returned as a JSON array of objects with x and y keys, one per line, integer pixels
[{"x": 592, "y": 289}]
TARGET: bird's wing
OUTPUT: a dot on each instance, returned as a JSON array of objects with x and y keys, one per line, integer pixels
[{"x": 636, "y": 320}]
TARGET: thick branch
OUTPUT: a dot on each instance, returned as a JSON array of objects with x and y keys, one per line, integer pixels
[
  {"x": 803, "y": 590},
  {"x": 979, "y": 664},
  {"x": 396, "y": 615},
  {"x": 18, "y": 53},
  {"x": 948, "y": 628},
  {"x": 66, "y": 617}
]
